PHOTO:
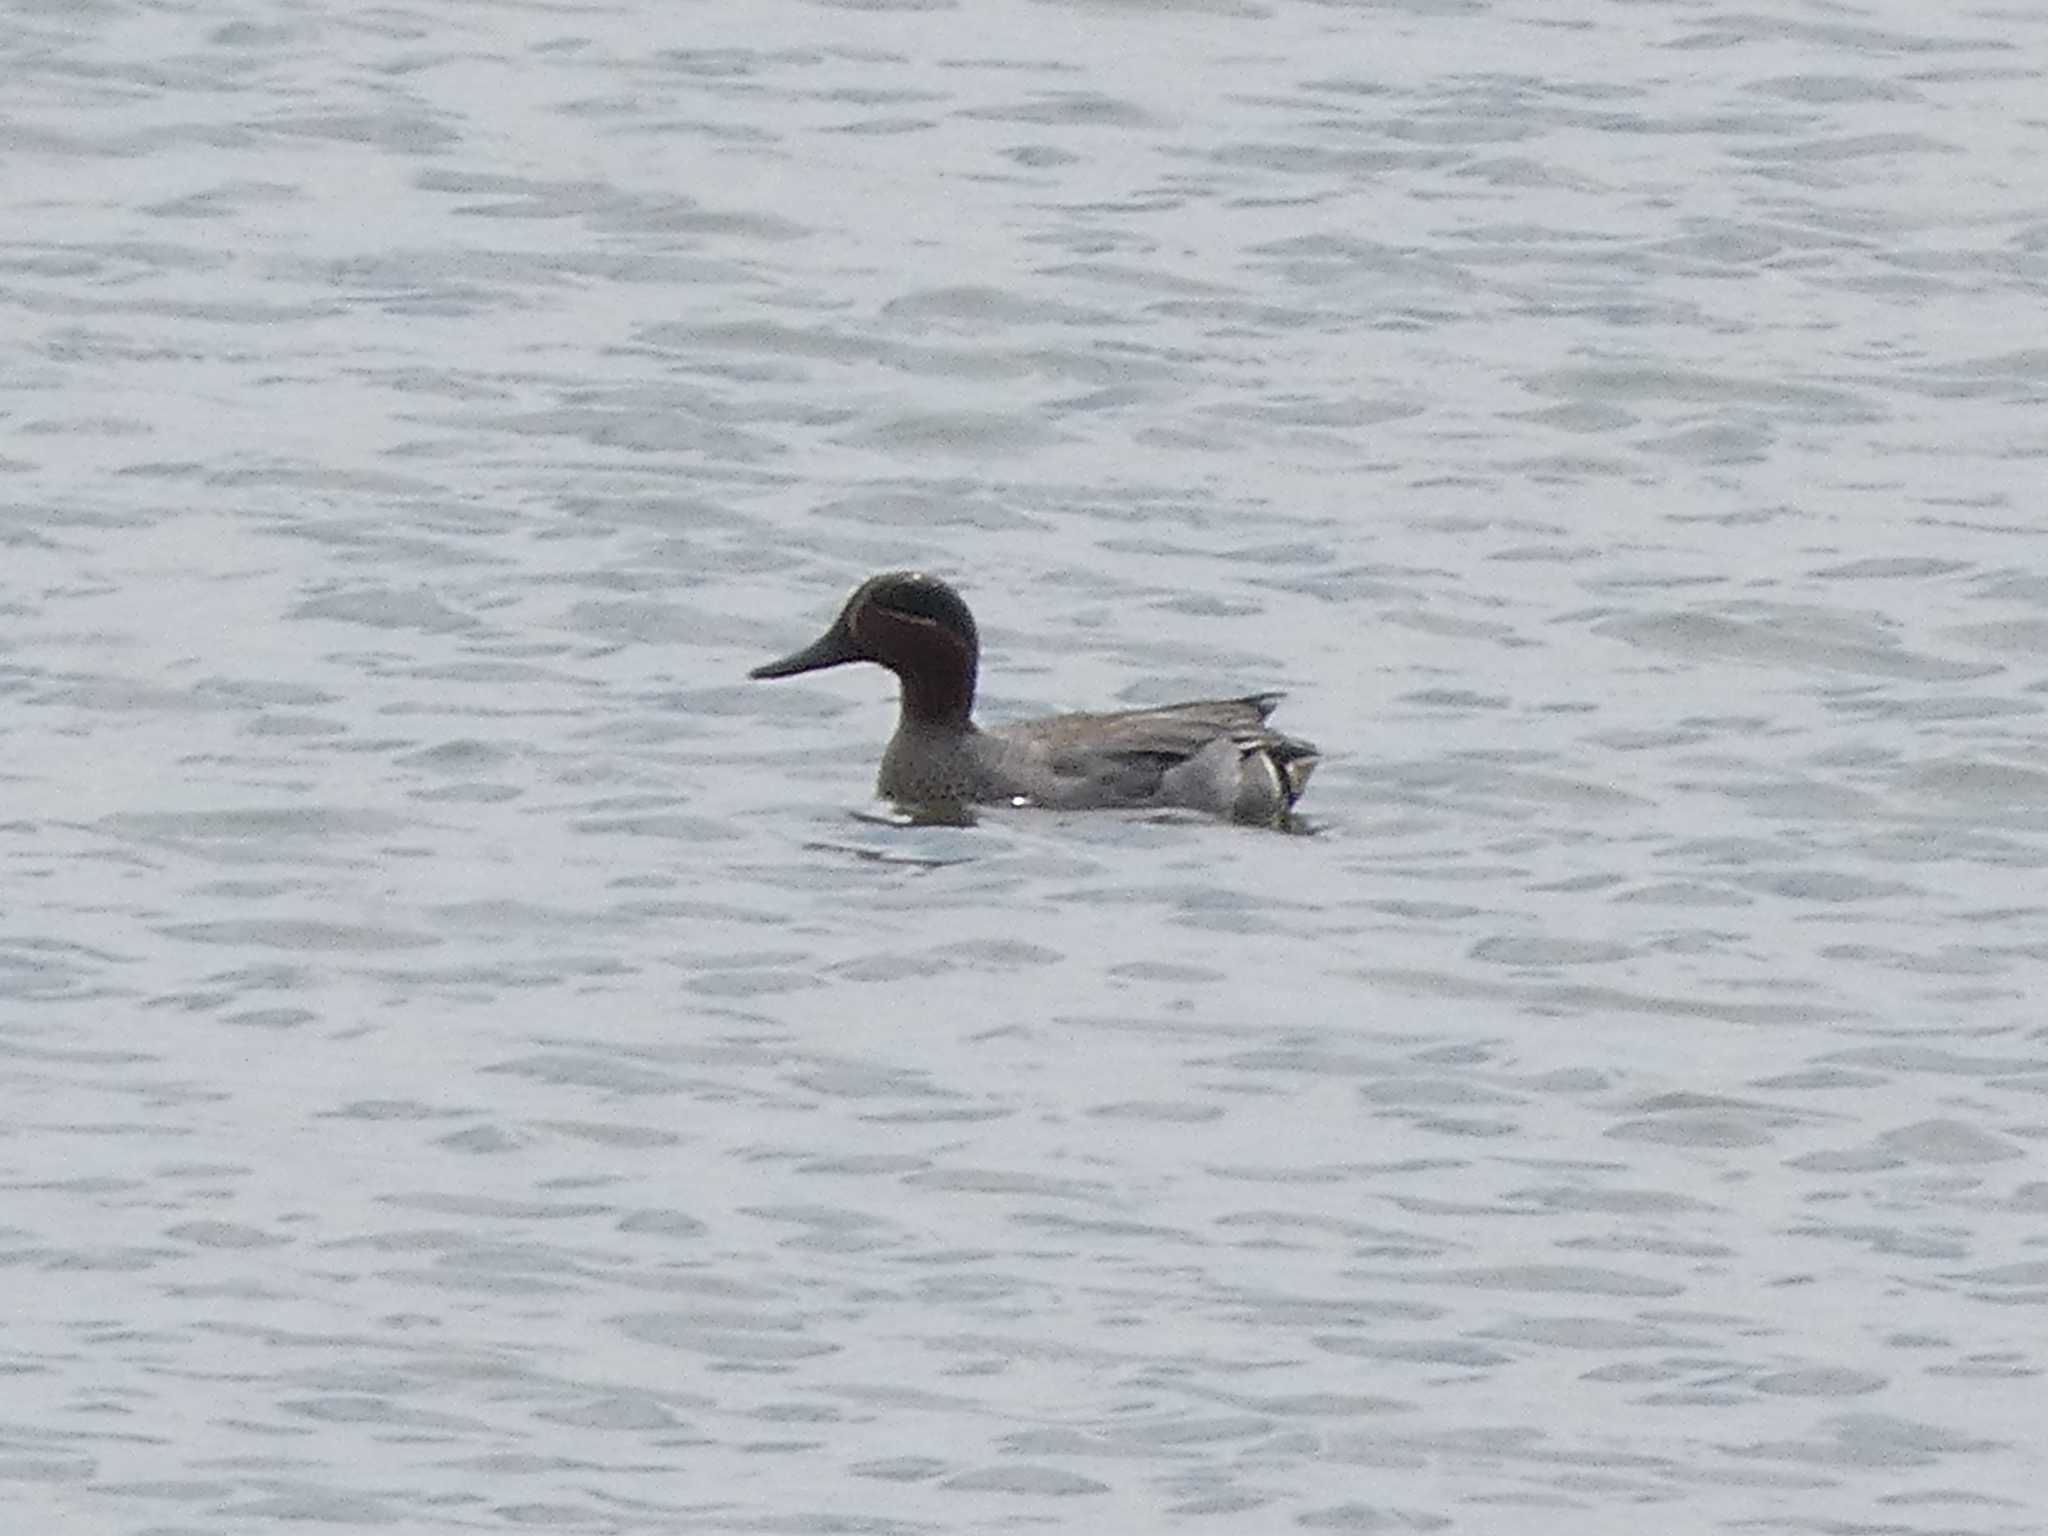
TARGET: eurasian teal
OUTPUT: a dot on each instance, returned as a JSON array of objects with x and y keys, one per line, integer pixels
[{"x": 1215, "y": 755}]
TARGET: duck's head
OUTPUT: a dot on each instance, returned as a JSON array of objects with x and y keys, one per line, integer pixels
[{"x": 911, "y": 623}]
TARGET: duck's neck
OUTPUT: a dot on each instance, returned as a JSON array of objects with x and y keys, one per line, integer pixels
[{"x": 942, "y": 699}]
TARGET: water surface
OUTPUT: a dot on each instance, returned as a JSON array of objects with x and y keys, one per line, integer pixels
[{"x": 470, "y": 1066}]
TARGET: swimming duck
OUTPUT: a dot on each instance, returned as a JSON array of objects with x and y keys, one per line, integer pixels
[{"x": 1215, "y": 755}]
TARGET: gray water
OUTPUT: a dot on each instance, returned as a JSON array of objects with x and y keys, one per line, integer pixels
[{"x": 473, "y": 1063}]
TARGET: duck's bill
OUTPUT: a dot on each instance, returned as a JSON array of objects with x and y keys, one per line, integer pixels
[{"x": 830, "y": 649}]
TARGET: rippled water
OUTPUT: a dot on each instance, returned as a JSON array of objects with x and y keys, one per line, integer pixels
[{"x": 469, "y": 1067}]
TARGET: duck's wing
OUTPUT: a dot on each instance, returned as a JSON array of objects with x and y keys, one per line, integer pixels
[
  {"x": 1201, "y": 754},
  {"x": 1174, "y": 732}
]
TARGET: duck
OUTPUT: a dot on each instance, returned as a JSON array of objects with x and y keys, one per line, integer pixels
[{"x": 1212, "y": 755}]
